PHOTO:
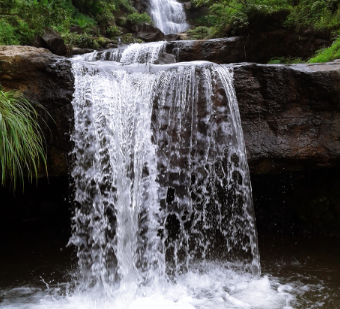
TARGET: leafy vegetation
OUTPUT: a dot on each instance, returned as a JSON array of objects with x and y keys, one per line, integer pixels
[
  {"x": 136, "y": 18},
  {"x": 230, "y": 17},
  {"x": 285, "y": 60},
  {"x": 22, "y": 20},
  {"x": 327, "y": 54},
  {"x": 22, "y": 145}
]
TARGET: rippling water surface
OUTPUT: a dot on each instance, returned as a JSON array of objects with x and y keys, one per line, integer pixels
[{"x": 297, "y": 273}]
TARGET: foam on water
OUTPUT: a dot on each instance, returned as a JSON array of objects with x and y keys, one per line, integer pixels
[
  {"x": 205, "y": 287},
  {"x": 164, "y": 214},
  {"x": 133, "y": 53}
]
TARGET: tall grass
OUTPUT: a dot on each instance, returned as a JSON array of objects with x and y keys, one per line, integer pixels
[
  {"x": 327, "y": 54},
  {"x": 22, "y": 144}
]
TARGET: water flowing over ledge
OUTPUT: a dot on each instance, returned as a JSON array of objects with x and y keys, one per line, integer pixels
[
  {"x": 161, "y": 173},
  {"x": 202, "y": 284}
]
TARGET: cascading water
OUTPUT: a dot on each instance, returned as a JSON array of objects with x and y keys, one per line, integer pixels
[
  {"x": 134, "y": 53},
  {"x": 161, "y": 175},
  {"x": 164, "y": 214},
  {"x": 168, "y": 16}
]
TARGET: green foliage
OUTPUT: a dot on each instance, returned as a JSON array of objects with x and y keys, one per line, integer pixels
[
  {"x": 199, "y": 33},
  {"x": 84, "y": 21},
  {"x": 22, "y": 20},
  {"x": 320, "y": 15},
  {"x": 236, "y": 14},
  {"x": 285, "y": 60},
  {"x": 327, "y": 54},
  {"x": 22, "y": 145},
  {"x": 137, "y": 18},
  {"x": 128, "y": 38},
  {"x": 84, "y": 40},
  {"x": 30, "y": 17},
  {"x": 8, "y": 35},
  {"x": 113, "y": 31}
]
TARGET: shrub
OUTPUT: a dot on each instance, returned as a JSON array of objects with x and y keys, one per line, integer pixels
[
  {"x": 315, "y": 14},
  {"x": 21, "y": 139},
  {"x": 128, "y": 38},
  {"x": 8, "y": 35},
  {"x": 137, "y": 18},
  {"x": 113, "y": 31},
  {"x": 198, "y": 33},
  {"x": 327, "y": 54},
  {"x": 84, "y": 21}
]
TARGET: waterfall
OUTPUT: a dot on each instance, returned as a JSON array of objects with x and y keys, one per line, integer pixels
[
  {"x": 161, "y": 175},
  {"x": 134, "y": 53},
  {"x": 168, "y": 16}
]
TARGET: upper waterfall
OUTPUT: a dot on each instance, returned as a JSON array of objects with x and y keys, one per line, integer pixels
[{"x": 168, "y": 16}]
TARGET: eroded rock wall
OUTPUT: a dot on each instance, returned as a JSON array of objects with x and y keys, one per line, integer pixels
[
  {"x": 290, "y": 113},
  {"x": 48, "y": 80},
  {"x": 290, "y": 118}
]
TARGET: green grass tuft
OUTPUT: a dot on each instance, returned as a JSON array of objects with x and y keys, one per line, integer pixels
[
  {"x": 22, "y": 144},
  {"x": 327, "y": 54}
]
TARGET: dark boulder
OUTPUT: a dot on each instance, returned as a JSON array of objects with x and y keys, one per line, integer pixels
[
  {"x": 148, "y": 33},
  {"x": 166, "y": 59},
  {"x": 172, "y": 37},
  {"x": 54, "y": 42}
]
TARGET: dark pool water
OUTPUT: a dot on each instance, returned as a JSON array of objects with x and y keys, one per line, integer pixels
[{"x": 37, "y": 270}]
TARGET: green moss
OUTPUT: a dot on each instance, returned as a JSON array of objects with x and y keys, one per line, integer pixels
[{"x": 285, "y": 60}]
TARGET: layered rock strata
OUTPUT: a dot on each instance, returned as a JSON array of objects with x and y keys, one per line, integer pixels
[{"x": 290, "y": 113}]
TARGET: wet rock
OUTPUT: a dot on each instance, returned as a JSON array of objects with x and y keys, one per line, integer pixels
[
  {"x": 47, "y": 79},
  {"x": 54, "y": 42},
  {"x": 290, "y": 113},
  {"x": 256, "y": 47},
  {"x": 139, "y": 5},
  {"x": 166, "y": 59},
  {"x": 172, "y": 37},
  {"x": 148, "y": 33},
  {"x": 80, "y": 51},
  {"x": 182, "y": 36}
]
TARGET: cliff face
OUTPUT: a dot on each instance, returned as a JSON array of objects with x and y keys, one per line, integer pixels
[
  {"x": 290, "y": 118},
  {"x": 257, "y": 47},
  {"x": 47, "y": 79},
  {"x": 290, "y": 113}
]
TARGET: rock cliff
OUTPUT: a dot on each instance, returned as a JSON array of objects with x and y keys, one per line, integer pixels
[
  {"x": 290, "y": 113},
  {"x": 290, "y": 117}
]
